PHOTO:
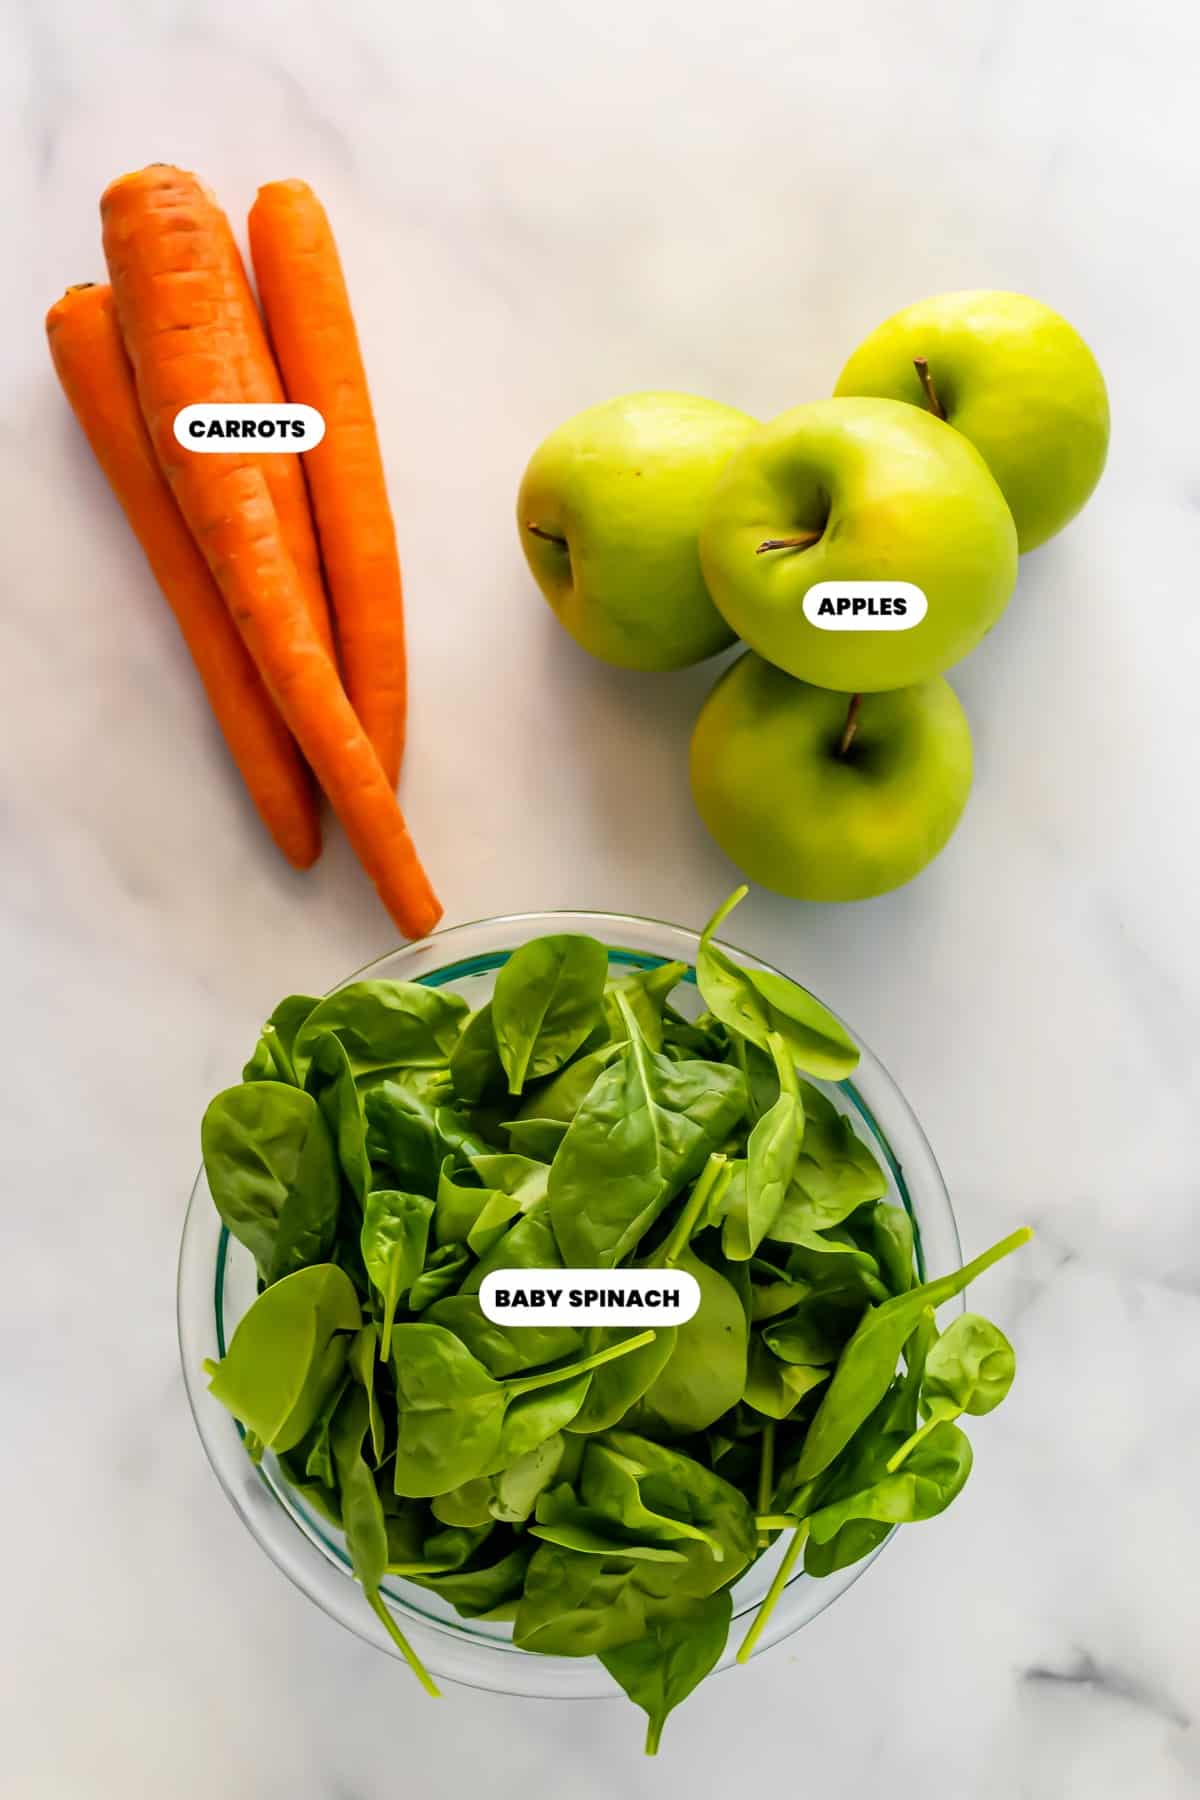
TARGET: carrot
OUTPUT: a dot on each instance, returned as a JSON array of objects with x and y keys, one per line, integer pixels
[
  {"x": 167, "y": 266},
  {"x": 246, "y": 348},
  {"x": 85, "y": 344},
  {"x": 260, "y": 381},
  {"x": 303, "y": 294}
]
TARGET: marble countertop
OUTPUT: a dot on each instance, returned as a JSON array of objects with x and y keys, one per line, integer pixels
[{"x": 540, "y": 205}]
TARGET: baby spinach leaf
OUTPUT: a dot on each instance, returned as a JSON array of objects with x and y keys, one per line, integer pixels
[
  {"x": 547, "y": 998},
  {"x": 856, "y": 1539},
  {"x": 468, "y": 1505},
  {"x": 562, "y": 1520},
  {"x": 522, "y": 1178},
  {"x": 272, "y": 1174},
  {"x": 775, "y": 1295},
  {"x": 288, "y": 1354},
  {"x": 643, "y": 1132},
  {"x": 395, "y": 1234},
  {"x": 364, "y": 1366},
  {"x": 411, "y": 1135},
  {"x": 508, "y": 1349},
  {"x": 347, "y": 1252},
  {"x": 611, "y": 1484},
  {"x": 452, "y": 1412},
  {"x": 330, "y": 1080},
  {"x": 934, "y": 1473},
  {"x": 725, "y": 1195},
  {"x": 833, "y": 1263},
  {"x": 363, "y": 1522},
  {"x": 645, "y": 992},
  {"x": 835, "y": 1172},
  {"x": 776, "y": 1388},
  {"x": 756, "y": 1002},
  {"x": 890, "y": 1232},
  {"x": 486, "y": 1585},
  {"x": 537, "y": 1139},
  {"x": 414, "y": 1550},
  {"x": 868, "y": 1363},
  {"x": 969, "y": 1369},
  {"x": 322, "y": 1499},
  {"x": 528, "y": 1244},
  {"x": 615, "y": 1387},
  {"x": 898, "y": 1412},
  {"x": 272, "y": 1058},
  {"x": 706, "y": 1371},
  {"x": 385, "y": 1025},
  {"x": 492, "y": 1222},
  {"x": 705, "y": 1036},
  {"x": 558, "y": 1100},
  {"x": 814, "y": 1333},
  {"x": 475, "y": 1067},
  {"x": 315, "y": 1445},
  {"x": 770, "y": 1164},
  {"x": 679, "y": 1649},
  {"x": 530, "y": 1419},
  {"x": 460, "y": 1200},
  {"x": 515, "y": 1490},
  {"x": 442, "y": 1273},
  {"x": 762, "y": 1076},
  {"x": 578, "y": 1605},
  {"x": 671, "y": 1486}
]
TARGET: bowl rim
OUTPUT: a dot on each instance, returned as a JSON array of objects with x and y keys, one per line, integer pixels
[{"x": 263, "y": 1510}]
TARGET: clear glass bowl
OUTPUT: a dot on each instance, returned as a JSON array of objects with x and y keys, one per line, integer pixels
[{"x": 217, "y": 1284}]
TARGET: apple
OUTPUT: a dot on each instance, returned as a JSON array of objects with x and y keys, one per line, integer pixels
[
  {"x": 1012, "y": 376},
  {"x": 827, "y": 796},
  {"x": 609, "y": 514},
  {"x": 852, "y": 491}
]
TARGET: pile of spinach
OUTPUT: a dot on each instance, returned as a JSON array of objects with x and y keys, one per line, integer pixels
[{"x": 602, "y": 1489}]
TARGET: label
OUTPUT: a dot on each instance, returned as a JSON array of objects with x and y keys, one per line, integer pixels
[
  {"x": 589, "y": 1296},
  {"x": 258, "y": 425},
  {"x": 865, "y": 605}
]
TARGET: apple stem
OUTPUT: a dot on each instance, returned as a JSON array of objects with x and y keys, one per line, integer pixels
[
  {"x": 549, "y": 536},
  {"x": 851, "y": 725},
  {"x": 921, "y": 365},
  {"x": 801, "y": 542}
]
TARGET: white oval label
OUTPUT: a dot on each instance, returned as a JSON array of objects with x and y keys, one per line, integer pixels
[
  {"x": 589, "y": 1296},
  {"x": 259, "y": 425},
  {"x": 865, "y": 605}
]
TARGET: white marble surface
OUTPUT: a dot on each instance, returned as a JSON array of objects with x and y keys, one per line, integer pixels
[{"x": 541, "y": 204}]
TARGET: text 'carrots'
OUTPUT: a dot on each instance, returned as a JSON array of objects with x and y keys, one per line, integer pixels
[
  {"x": 165, "y": 241},
  {"x": 303, "y": 293},
  {"x": 85, "y": 344}
]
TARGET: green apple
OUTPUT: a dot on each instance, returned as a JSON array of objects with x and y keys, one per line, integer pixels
[
  {"x": 609, "y": 514},
  {"x": 1013, "y": 377},
  {"x": 854, "y": 491},
  {"x": 824, "y": 797}
]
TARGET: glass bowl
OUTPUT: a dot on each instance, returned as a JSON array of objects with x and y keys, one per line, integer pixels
[{"x": 217, "y": 1284}]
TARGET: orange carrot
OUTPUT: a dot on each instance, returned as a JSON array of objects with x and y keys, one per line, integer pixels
[
  {"x": 163, "y": 242},
  {"x": 303, "y": 294},
  {"x": 232, "y": 309},
  {"x": 85, "y": 344},
  {"x": 260, "y": 381}
]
